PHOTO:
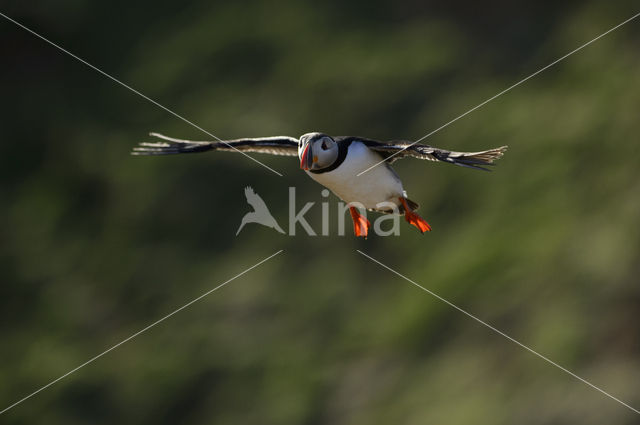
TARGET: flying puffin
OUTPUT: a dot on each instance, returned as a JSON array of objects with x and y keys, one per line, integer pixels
[{"x": 338, "y": 164}]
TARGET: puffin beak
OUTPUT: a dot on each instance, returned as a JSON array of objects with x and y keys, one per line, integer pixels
[{"x": 306, "y": 158}]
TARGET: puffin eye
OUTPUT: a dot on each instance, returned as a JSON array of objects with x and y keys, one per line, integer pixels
[{"x": 324, "y": 145}]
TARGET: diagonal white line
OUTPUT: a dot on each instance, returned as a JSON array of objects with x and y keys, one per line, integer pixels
[
  {"x": 138, "y": 333},
  {"x": 502, "y": 92},
  {"x": 498, "y": 332},
  {"x": 136, "y": 91}
]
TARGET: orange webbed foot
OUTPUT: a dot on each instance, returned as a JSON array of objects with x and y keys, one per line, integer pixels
[
  {"x": 413, "y": 218},
  {"x": 360, "y": 224}
]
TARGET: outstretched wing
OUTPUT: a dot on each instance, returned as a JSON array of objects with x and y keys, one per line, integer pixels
[
  {"x": 254, "y": 200},
  {"x": 280, "y": 145},
  {"x": 401, "y": 149}
]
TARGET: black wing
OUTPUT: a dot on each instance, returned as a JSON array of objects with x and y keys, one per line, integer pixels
[
  {"x": 401, "y": 149},
  {"x": 280, "y": 145}
]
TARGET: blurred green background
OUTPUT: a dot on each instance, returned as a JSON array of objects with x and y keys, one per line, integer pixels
[{"x": 97, "y": 244}]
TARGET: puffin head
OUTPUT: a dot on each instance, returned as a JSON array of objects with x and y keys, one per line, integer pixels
[{"x": 317, "y": 151}]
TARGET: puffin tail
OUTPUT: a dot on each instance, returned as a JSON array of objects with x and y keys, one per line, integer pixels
[{"x": 170, "y": 146}]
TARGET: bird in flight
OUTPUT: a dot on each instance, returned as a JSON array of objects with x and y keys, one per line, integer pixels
[
  {"x": 260, "y": 213},
  {"x": 338, "y": 163}
]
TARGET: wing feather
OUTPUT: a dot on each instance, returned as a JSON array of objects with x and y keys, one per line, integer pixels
[
  {"x": 279, "y": 145},
  {"x": 403, "y": 149}
]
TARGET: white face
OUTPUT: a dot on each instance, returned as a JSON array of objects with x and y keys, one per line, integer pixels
[
  {"x": 318, "y": 152},
  {"x": 325, "y": 152}
]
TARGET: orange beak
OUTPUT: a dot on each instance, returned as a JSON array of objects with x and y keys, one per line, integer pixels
[{"x": 304, "y": 159}]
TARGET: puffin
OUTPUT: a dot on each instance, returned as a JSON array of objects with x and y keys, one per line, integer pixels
[{"x": 356, "y": 169}]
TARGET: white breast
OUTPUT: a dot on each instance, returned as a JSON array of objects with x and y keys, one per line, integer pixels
[{"x": 380, "y": 184}]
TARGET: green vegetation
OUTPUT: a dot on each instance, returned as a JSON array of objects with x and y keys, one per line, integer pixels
[{"x": 97, "y": 244}]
